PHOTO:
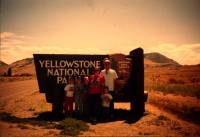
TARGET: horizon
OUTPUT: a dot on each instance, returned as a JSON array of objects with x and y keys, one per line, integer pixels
[
  {"x": 170, "y": 28},
  {"x": 96, "y": 54}
]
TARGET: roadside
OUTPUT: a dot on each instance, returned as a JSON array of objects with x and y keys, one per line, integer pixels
[{"x": 22, "y": 111}]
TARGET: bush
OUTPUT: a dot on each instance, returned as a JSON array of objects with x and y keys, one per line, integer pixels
[
  {"x": 178, "y": 89},
  {"x": 174, "y": 81},
  {"x": 72, "y": 127},
  {"x": 194, "y": 80},
  {"x": 67, "y": 126}
]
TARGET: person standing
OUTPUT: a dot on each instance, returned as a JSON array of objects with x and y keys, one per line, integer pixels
[
  {"x": 96, "y": 84},
  {"x": 106, "y": 99},
  {"x": 84, "y": 96},
  {"x": 110, "y": 76},
  {"x": 77, "y": 96},
  {"x": 69, "y": 97}
]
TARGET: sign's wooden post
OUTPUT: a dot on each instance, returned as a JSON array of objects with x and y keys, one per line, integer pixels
[{"x": 136, "y": 82}]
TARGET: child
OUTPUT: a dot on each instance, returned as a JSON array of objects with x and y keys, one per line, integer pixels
[
  {"x": 84, "y": 97},
  {"x": 77, "y": 86},
  {"x": 69, "y": 97},
  {"x": 106, "y": 99}
]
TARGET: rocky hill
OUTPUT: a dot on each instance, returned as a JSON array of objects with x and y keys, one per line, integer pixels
[
  {"x": 3, "y": 67},
  {"x": 3, "y": 63},
  {"x": 25, "y": 67},
  {"x": 159, "y": 58}
]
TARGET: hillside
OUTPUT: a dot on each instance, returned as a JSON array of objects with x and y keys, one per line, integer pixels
[
  {"x": 26, "y": 66},
  {"x": 2, "y": 63},
  {"x": 159, "y": 58},
  {"x": 3, "y": 67},
  {"x": 23, "y": 67}
]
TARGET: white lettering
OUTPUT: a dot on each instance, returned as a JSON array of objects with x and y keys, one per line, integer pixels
[{"x": 41, "y": 63}]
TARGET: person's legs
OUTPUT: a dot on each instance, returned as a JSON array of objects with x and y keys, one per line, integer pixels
[
  {"x": 106, "y": 114},
  {"x": 98, "y": 106},
  {"x": 85, "y": 107},
  {"x": 76, "y": 105},
  {"x": 70, "y": 105},
  {"x": 80, "y": 107},
  {"x": 66, "y": 108},
  {"x": 94, "y": 106},
  {"x": 90, "y": 105},
  {"x": 112, "y": 102}
]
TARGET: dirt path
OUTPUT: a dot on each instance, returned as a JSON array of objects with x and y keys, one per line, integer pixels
[
  {"x": 155, "y": 122},
  {"x": 10, "y": 89},
  {"x": 28, "y": 104}
]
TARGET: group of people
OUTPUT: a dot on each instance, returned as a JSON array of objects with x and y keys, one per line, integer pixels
[{"x": 93, "y": 95}]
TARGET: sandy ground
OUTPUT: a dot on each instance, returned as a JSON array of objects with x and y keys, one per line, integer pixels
[{"x": 22, "y": 100}]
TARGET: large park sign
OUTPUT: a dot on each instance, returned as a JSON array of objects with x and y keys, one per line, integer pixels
[{"x": 53, "y": 70}]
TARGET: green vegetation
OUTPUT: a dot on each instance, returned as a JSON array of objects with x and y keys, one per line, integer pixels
[
  {"x": 72, "y": 127},
  {"x": 68, "y": 126}
]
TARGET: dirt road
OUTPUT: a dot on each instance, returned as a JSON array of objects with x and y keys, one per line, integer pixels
[
  {"x": 21, "y": 100},
  {"x": 10, "y": 89}
]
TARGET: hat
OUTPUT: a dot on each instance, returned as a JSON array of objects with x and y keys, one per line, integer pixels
[{"x": 106, "y": 60}]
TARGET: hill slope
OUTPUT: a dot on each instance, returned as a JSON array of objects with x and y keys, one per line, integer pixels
[
  {"x": 3, "y": 63},
  {"x": 23, "y": 67},
  {"x": 26, "y": 66},
  {"x": 3, "y": 67},
  {"x": 159, "y": 58}
]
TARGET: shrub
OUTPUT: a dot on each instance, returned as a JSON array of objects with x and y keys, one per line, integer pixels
[
  {"x": 178, "y": 89},
  {"x": 67, "y": 126},
  {"x": 174, "y": 81},
  {"x": 72, "y": 127}
]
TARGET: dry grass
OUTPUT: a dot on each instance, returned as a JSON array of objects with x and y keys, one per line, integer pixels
[
  {"x": 68, "y": 126},
  {"x": 15, "y": 78},
  {"x": 186, "y": 107},
  {"x": 177, "y": 89}
]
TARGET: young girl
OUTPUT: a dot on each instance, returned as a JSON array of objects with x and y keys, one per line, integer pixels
[
  {"x": 69, "y": 97},
  {"x": 84, "y": 97},
  {"x": 77, "y": 87}
]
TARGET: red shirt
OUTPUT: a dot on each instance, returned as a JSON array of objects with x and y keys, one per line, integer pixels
[{"x": 96, "y": 84}]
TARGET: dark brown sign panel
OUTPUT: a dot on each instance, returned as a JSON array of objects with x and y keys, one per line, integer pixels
[{"x": 53, "y": 70}]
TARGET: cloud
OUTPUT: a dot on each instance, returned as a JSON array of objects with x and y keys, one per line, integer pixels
[
  {"x": 183, "y": 54},
  {"x": 5, "y": 35},
  {"x": 12, "y": 39},
  {"x": 196, "y": 49},
  {"x": 15, "y": 47}
]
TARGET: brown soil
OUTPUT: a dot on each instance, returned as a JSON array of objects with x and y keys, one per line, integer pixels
[{"x": 22, "y": 100}]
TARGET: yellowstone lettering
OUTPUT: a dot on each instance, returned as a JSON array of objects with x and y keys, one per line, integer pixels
[
  {"x": 61, "y": 69},
  {"x": 68, "y": 64}
]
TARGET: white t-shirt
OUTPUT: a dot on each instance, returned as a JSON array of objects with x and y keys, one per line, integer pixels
[
  {"x": 106, "y": 99},
  {"x": 110, "y": 77},
  {"x": 69, "y": 90}
]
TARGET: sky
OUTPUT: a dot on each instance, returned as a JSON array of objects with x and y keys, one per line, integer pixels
[{"x": 170, "y": 27}]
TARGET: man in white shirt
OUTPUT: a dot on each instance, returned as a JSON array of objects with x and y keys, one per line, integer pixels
[{"x": 110, "y": 76}]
